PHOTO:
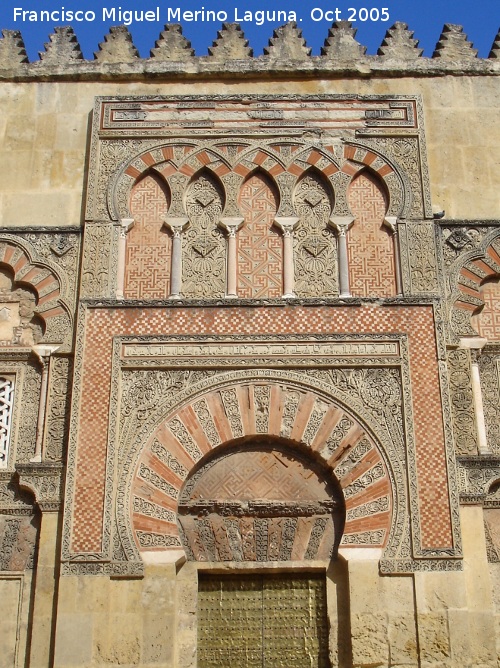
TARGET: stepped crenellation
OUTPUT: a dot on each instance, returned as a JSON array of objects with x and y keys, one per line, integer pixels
[{"x": 287, "y": 53}]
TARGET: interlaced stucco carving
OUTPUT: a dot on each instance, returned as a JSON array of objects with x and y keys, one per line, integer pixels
[
  {"x": 179, "y": 430},
  {"x": 206, "y": 420},
  {"x": 261, "y": 395},
  {"x": 489, "y": 368},
  {"x": 232, "y": 408},
  {"x": 290, "y": 420},
  {"x": 148, "y": 474},
  {"x": 422, "y": 257},
  {"x": 314, "y": 422},
  {"x": 462, "y": 239},
  {"x": 365, "y": 538},
  {"x": 44, "y": 481},
  {"x": 314, "y": 243},
  {"x": 476, "y": 476},
  {"x": 144, "y": 507},
  {"x": 203, "y": 246},
  {"x": 462, "y": 407},
  {"x": 167, "y": 458},
  {"x": 407, "y": 196},
  {"x": 365, "y": 510},
  {"x": 26, "y": 433},
  {"x": 58, "y": 408},
  {"x": 98, "y": 252}
]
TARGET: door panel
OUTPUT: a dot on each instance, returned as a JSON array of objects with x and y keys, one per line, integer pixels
[{"x": 262, "y": 621}]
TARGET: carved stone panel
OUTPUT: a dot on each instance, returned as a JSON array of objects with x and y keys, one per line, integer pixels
[
  {"x": 462, "y": 407},
  {"x": 314, "y": 243},
  {"x": 203, "y": 245},
  {"x": 489, "y": 368}
]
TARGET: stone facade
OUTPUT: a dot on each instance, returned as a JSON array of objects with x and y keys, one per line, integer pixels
[{"x": 250, "y": 354}]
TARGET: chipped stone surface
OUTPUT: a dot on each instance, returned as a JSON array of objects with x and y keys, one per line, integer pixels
[
  {"x": 117, "y": 47},
  {"x": 12, "y": 50},
  {"x": 453, "y": 44},
  {"x": 63, "y": 47},
  {"x": 287, "y": 43},
  {"x": 172, "y": 45},
  {"x": 341, "y": 43},
  {"x": 230, "y": 44},
  {"x": 399, "y": 43}
]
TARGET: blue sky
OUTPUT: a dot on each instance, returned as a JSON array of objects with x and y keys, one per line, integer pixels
[{"x": 481, "y": 21}]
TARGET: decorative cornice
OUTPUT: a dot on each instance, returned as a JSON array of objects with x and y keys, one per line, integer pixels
[{"x": 286, "y": 56}]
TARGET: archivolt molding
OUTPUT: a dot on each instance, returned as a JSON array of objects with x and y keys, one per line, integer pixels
[
  {"x": 466, "y": 275},
  {"x": 48, "y": 284},
  {"x": 194, "y": 400}
]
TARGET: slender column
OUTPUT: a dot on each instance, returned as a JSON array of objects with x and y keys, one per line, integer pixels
[
  {"x": 392, "y": 223},
  {"x": 287, "y": 224},
  {"x": 231, "y": 226},
  {"x": 475, "y": 345},
  {"x": 43, "y": 352},
  {"x": 177, "y": 227},
  {"x": 126, "y": 224},
  {"x": 341, "y": 224}
]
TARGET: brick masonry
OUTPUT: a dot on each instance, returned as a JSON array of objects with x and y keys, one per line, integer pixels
[{"x": 103, "y": 324}]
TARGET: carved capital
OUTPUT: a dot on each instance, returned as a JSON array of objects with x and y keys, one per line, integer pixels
[
  {"x": 287, "y": 224},
  {"x": 341, "y": 224},
  {"x": 472, "y": 342},
  {"x": 392, "y": 223},
  {"x": 176, "y": 225},
  {"x": 231, "y": 225},
  {"x": 126, "y": 224},
  {"x": 44, "y": 481},
  {"x": 44, "y": 350}
]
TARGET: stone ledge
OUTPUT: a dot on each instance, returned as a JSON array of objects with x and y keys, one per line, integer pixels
[{"x": 287, "y": 56}]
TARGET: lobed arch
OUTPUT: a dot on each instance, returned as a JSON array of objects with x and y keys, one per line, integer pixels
[
  {"x": 46, "y": 285},
  {"x": 473, "y": 270},
  {"x": 237, "y": 407},
  {"x": 179, "y": 156},
  {"x": 359, "y": 157},
  {"x": 187, "y": 158}
]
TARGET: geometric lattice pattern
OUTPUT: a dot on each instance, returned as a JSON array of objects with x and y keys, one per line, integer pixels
[
  {"x": 487, "y": 321},
  {"x": 147, "y": 273},
  {"x": 6, "y": 404},
  {"x": 369, "y": 244},
  {"x": 259, "y": 244},
  {"x": 104, "y": 324}
]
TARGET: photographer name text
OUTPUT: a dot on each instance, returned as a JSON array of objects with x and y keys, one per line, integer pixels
[{"x": 202, "y": 15}]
